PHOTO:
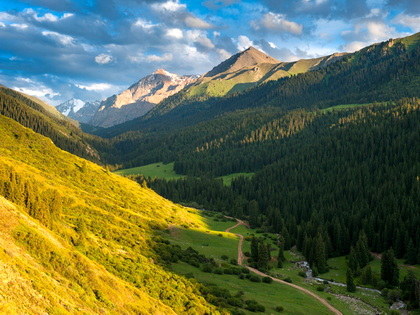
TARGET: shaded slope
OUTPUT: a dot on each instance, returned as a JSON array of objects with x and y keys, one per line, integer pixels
[
  {"x": 46, "y": 120},
  {"x": 80, "y": 236}
]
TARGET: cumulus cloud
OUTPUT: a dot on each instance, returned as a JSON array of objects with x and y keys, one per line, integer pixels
[
  {"x": 156, "y": 58},
  {"x": 174, "y": 33},
  {"x": 277, "y": 23},
  {"x": 367, "y": 32},
  {"x": 411, "y": 21},
  {"x": 62, "y": 39},
  {"x": 103, "y": 59}
]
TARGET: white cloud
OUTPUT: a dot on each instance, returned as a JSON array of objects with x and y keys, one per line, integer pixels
[
  {"x": 411, "y": 21},
  {"x": 277, "y": 23},
  {"x": 2, "y": 24},
  {"x": 63, "y": 39},
  {"x": 155, "y": 58},
  {"x": 171, "y": 6},
  {"x": 174, "y": 33},
  {"x": 243, "y": 42},
  {"x": 195, "y": 22},
  {"x": 354, "y": 46},
  {"x": 39, "y": 92},
  {"x": 144, "y": 24},
  {"x": 19, "y": 26},
  {"x": 199, "y": 37},
  {"x": 95, "y": 86},
  {"x": 103, "y": 59}
]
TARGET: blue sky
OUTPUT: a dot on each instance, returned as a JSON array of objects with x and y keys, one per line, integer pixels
[{"x": 59, "y": 49}]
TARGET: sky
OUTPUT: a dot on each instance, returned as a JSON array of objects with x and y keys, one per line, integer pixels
[{"x": 91, "y": 49}]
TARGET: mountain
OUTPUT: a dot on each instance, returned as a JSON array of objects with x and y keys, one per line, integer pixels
[
  {"x": 48, "y": 121},
  {"x": 139, "y": 98},
  {"x": 240, "y": 72},
  {"x": 391, "y": 66},
  {"x": 78, "y": 239},
  {"x": 79, "y": 110}
]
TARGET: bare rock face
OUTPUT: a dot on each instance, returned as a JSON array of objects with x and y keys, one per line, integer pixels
[{"x": 139, "y": 98}]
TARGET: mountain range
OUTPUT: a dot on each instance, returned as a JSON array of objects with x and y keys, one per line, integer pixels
[
  {"x": 320, "y": 157},
  {"x": 242, "y": 71}
]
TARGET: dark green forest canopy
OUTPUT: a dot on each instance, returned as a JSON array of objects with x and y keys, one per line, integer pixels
[{"x": 346, "y": 172}]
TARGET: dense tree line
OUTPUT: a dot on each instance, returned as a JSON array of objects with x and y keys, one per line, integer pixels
[{"x": 346, "y": 185}]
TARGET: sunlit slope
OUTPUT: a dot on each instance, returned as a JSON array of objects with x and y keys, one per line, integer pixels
[{"x": 75, "y": 238}]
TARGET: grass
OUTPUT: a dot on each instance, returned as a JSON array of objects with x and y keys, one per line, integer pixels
[
  {"x": 155, "y": 170},
  {"x": 227, "y": 179},
  {"x": 269, "y": 295},
  {"x": 343, "y": 106},
  {"x": 90, "y": 250}
]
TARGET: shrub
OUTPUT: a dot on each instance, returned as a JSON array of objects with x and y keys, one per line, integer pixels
[
  {"x": 220, "y": 235},
  {"x": 302, "y": 274},
  {"x": 320, "y": 288},
  {"x": 254, "y": 306},
  {"x": 241, "y": 276},
  {"x": 247, "y": 254},
  {"x": 279, "y": 309},
  {"x": 255, "y": 278},
  {"x": 245, "y": 270},
  {"x": 224, "y": 257},
  {"x": 325, "y": 282},
  {"x": 288, "y": 279},
  {"x": 233, "y": 261},
  {"x": 267, "y": 280},
  {"x": 207, "y": 268},
  {"x": 218, "y": 271}
]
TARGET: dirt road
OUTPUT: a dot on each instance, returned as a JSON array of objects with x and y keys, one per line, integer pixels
[{"x": 306, "y": 291}]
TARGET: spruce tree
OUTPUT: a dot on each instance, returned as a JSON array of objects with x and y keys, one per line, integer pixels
[
  {"x": 254, "y": 249},
  {"x": 280, "y": 256},
  {"x": 389, "y": 268},
  {"x": 411, "y": 253},
  {"x": 263, "y": 257},
  {"x": 320, "y": 257},
  {"x": 351, "y": 287}
]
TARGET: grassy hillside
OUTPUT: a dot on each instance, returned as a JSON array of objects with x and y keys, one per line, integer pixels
[{"x": 75, "y": 238}]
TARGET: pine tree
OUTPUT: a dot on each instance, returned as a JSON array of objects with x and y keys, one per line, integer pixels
[
  {"x": 263, "y": 257},
  {"x": 362, "y": 251},
  {"x": 253, "y": 211},
  {"x": 254, "y": 249},
  {"x": 389, "y": 268},
  {"x": 411, "y": 253},
  {"x": 320, "y": 257},
  {"x": 353, "y": 262},
  {"x": 280, "y": 256},
  {"x": 351, "y": 287}
]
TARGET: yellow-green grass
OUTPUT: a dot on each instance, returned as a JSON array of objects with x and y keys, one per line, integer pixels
[
  {"x": 155, "y": 170},
  {"x": 269, "y": 295},
  {"x": 216, "y": 222},
  {"x": 227, "y": 179},
  {"x": 92, "y": 254},
  {"x": 210, "y": 243}
]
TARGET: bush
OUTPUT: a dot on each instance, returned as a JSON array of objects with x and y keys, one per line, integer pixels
[
  {"x": 302, "y": 274},
  {"x": 233, "y": 261},
  {"x": 255, "y": 278},
  {"x": 207, "y": 268},
  {"x": 325, "y": 282},
  {"x": 218, "y": 271},
  {"x": 320, "y": 288},
  {"x": 245, "y": 270},
  {"x": 267, "y": 280},
  {"x": 247, "y": 254},
  {"x": 288, "y": 279},
  {"x": 220, "y": 235},
  {"x": 224, "y": 257},
  {"x": 254, "y": 306},
  {"x": 241, "y": 276},
  {"x": 279, "y": 309},
  {"x": 329, "y": 298}
]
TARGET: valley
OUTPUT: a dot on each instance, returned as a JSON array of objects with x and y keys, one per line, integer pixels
[{"x": 277, "y": 180}]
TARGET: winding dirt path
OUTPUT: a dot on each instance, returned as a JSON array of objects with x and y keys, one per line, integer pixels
[{"x": 262, "y": 274}]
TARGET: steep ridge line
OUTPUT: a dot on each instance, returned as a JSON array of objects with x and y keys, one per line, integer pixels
[{"x": 253, "y": 270}]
